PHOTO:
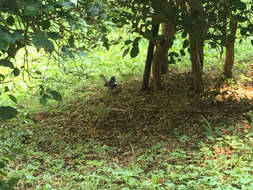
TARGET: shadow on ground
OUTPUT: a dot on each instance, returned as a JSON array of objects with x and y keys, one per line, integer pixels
[{"x": 129, "y": 117}]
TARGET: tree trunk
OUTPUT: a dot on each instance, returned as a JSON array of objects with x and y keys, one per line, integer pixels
[
  {"x": 229, "y": 60},
  {"x": 150, "y": 54},
  {"x": 196, "y": 38},
  {"x": 164, "y": 64},
  {"x": 196, "y": 56},
  {"x": 160, "y": 60},
  {"x": 156, "y": 65}
]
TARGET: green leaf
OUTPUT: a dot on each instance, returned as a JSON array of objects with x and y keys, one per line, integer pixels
[
  {"x": 40, "y": 40},
  {"x": 7, "y": 112},
  {"x": 55, "y": 95},
  {"x": 43, "y": 99},
  {"x": 10, "y": 20},
  {"x": 16, "y": 72},
  {"x": 13, "y": 98},
  {"x": 182, "y": 52},
  {"x": 71, "y": 41},
  {"x": 6, "y": 63},
  {"x": 185, "y": 44},
  {"x": 6, "y": 89},
  {"x": 136, "y": 40},
  {"x": 213, "y": 45},
  {"x": 128, "y": 42},
  {"x": 251, "y": 42},
  {"x": 13, "y": 181},
  {"x": 54, "y": 35},
  {"x": 134, "y": 51},
  {"x": 184, "y": 35},
  {"x": 5, "y": 40},
  {"x": 125, "y": 52}
]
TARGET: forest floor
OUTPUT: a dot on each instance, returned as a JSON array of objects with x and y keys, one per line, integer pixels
[
  {"x": 127, "y": 116},
  {"x": 168, "y": 139}
]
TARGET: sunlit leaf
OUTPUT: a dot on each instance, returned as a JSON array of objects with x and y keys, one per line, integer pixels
[{"x": 13, "y": 98}]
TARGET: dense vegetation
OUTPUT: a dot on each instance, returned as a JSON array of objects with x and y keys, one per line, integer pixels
[{"x": 189, "y": 128}]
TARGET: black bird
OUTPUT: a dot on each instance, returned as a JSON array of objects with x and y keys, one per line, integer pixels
[{"x": 111, "y": 84}]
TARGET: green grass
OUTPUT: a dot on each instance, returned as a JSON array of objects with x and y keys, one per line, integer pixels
[
  {"x": 214, "y": 163},
  {"x": 45, "y": 156}
]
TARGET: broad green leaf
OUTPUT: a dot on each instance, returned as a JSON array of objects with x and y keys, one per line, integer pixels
[
  {"x": 7, "y": 112},
  {"x": 6, "y": 63},
  {"x": 40, "y": 40},
  {"x": 134, "y": 51},
  {"x": 136, "y": 42},
  {"x": 55, "y": 95}
]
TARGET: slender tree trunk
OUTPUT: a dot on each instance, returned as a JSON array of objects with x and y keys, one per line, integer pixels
[
  {"x": 229, "y": 60},
  {"x": 160, "y": 60},
  {"x": 196, "y": 38},
  {"x": 156, "y": 66},
  {"x": 167, "y": 30},
  {"x": 196, "y": 56},
  {"x": 149, "y": 58}
]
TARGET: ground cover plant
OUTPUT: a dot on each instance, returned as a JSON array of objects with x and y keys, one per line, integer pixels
[{"x": 189, "y": 127}]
